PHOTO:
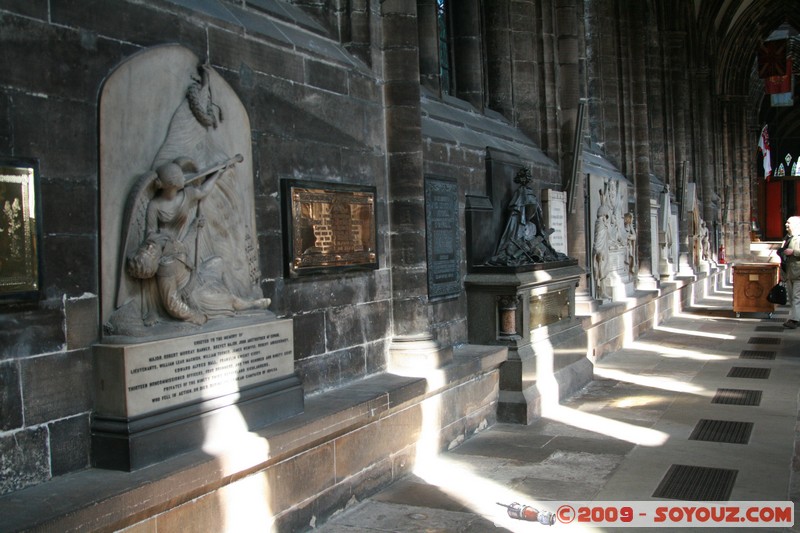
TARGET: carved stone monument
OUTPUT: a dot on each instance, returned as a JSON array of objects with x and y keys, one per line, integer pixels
[
  {"x": 521, "y": 293},
  {"x": 667, "y": 235},
  {"x": 187, "y": 336},
  {"x": 613, "y": 239}
]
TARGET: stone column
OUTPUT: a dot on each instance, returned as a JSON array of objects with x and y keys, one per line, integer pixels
[
  {"x": 413, "y": 345},
  {"x": 737, "y": 201},
  {"x": 569, "y": 32},
  {"x": 705, "y": 146},
  {"x": 640, "y": 139},
  {"x": 743, "y": 175},
  {"x": 660, "y": 162},
  {"x": 677, "y": 96}
]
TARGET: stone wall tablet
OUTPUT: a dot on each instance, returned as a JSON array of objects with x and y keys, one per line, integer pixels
[
  {"x": 443, "y": 237},
  {"x": 137, "y": 379}
]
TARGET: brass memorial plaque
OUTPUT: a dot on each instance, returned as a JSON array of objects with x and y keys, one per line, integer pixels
[
  {"x": 549, "y": 308},
  {"x": 329, "y": 227},
  {"x": 19, "y": 230}
]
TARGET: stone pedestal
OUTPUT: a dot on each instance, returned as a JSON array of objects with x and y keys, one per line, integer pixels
[
  {"x": 157, "y": 399},
  {"x": 417, "y": 354},
  {"x": 533, "y": 314}
]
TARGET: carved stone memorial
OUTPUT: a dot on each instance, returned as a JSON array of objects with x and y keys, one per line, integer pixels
[
  {"x": 521, "y": 292},
  {"x": 613, "y": 239},
  {"x": 667, "y": 236},
  {"x": 187, "y": 335}
]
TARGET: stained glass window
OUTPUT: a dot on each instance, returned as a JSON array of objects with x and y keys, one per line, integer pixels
[
  {"x": 795, "y": 170},
  {"x": 788, "y": 159},
  {"x": 781, "y": 170}
]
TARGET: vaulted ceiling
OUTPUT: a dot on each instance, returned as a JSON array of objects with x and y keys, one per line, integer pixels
[{"x": 735, "y": 28}]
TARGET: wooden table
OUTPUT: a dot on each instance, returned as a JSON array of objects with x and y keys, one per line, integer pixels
[{"x": 751, "y": 284}]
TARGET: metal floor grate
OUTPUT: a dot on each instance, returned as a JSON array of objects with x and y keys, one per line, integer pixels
[
  {"x": 770, "y": 329},
  {"x": 749, "y": 372},
  {"x": 737, "y": 397},
  {"x": 756, "y": 354},
  {"x": 764, "y": 340},
  {"x": 696, "y": 483},
  {"x": 726, "y": 431}
]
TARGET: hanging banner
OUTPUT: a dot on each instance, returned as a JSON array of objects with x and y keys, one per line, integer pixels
[{"x": 772, "y": 59}]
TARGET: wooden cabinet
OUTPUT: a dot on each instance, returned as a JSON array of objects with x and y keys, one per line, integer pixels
[{"x": 751, "y": 284}]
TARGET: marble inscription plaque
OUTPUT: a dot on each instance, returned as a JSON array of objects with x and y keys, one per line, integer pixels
[
  {"x": 443, "y": 237},
  {"x": 555, "y": 209},
  {"x": 616, "y": 262},
  {"x": 136, "y": 379}
]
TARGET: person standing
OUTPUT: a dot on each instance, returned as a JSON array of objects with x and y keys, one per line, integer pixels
[{"x": 790, "y": 257}]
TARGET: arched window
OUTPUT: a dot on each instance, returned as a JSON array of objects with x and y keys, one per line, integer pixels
[
  {"x": 451, "y": 48},
  {"x": 442, "y": 22}
]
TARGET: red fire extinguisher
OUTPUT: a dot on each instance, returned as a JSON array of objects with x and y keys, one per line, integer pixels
[{"x": 721, "y": 254}]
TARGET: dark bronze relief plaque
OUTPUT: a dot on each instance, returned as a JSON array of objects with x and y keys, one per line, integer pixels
[
  {"x": 329, "y": 227},
  {"x": 443, "y": 237},
  {"x": 19, "y": 229},
  {"x": 549, "y": 308}
]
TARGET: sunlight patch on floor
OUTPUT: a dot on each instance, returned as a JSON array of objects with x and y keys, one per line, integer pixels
[
  {"x": 695, "y": 333},
  {"x": 606, "y": 426},
  {"x": 653, "y": 382},
  {"x": 481, "y": 495},
  {"x": 675, "y": 352}
]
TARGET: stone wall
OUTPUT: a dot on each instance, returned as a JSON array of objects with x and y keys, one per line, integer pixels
[
  {"x": 311, "y": 85},
  {"x": 343, "y": 91},
  {"x": 316, "y": 113}
]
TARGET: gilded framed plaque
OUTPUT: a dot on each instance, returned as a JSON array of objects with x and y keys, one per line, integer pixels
[
  {"x": 19, "y": 229},
  {"x": 328, "y": 227}
]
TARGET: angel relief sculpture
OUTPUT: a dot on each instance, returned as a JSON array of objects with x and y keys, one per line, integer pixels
[{"x": 187, "y": 254}]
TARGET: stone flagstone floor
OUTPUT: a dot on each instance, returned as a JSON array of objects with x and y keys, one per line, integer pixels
[{"x": 617, "y": 438}]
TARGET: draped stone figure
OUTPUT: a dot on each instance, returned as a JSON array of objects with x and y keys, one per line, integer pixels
[
  {"x": 630, "y": 245},
  {"x": 525, "y": 238},
  {"x": 705, "y": 243},
  {"x": 601, "y": 243}
]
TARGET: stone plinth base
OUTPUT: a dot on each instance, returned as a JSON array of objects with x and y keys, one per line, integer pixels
[
  {"x": 164, "y": 397},
  {"x": 533, "y": 314},
  {"x": 552, "y": 368},
  {"x": 132, "y": 443}
]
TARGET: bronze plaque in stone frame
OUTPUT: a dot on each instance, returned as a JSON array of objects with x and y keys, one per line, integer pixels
[
  {"x": 549, "y": 308},
  {"x": 328, "y": 227},
  {"x": 19, "y": 229}
]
